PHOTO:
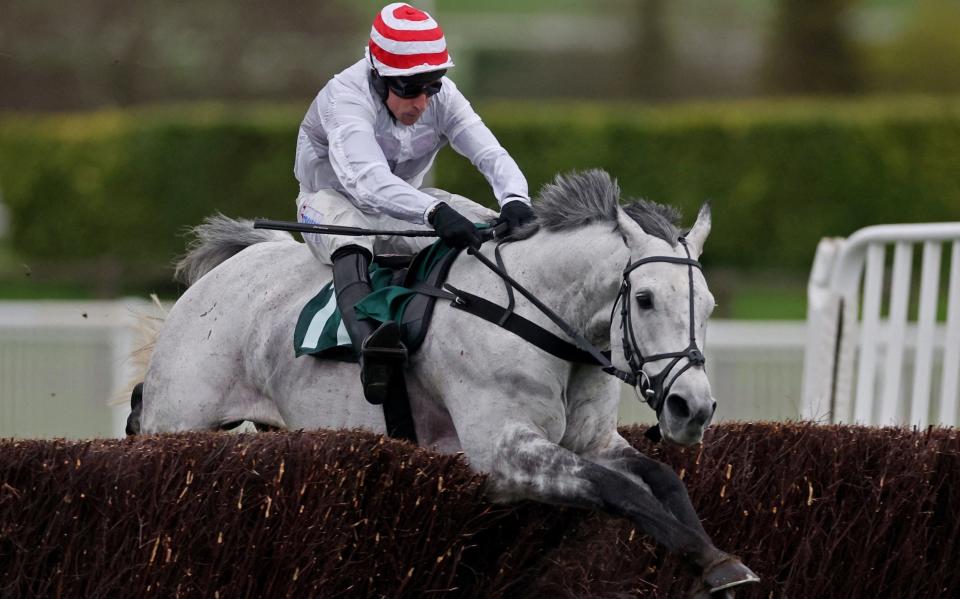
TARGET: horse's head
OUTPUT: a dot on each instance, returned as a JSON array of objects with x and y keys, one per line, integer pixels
[{"x": 659, "y": 325}]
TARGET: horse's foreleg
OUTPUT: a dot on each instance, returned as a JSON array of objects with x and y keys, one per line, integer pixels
[
  {"x": 663, "y": 482},
  {"x": 527, "y": 465},
  {"x": 724, "y": 571}
]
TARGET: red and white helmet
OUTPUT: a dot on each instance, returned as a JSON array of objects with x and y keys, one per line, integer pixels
[{"x": 406, "y": 41}]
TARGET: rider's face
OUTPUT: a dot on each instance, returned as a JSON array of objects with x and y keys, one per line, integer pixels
[{"x": 407, "y": 110}]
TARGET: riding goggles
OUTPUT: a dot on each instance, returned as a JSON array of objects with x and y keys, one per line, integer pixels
[{"x": 409, "y": 89}]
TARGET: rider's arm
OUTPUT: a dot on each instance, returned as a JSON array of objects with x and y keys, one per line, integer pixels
[
  {"x": 362, "y": 168},
  {"x": 473, "y": 140}
]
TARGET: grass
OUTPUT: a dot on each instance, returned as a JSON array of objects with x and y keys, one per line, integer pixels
[
  {"x": 64, "y": 279},
  {"x": 758, "y": 302},
  {"x": 759, "y": 295},
  {"x": 31, "y": 290},
  {"x": 753, "y": 302}
]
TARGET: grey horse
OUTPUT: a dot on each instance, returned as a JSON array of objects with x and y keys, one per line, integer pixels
[{"x": 542, "y": 428}]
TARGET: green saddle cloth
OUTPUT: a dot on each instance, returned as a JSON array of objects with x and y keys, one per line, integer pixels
[{"x": 320, "y": 330}]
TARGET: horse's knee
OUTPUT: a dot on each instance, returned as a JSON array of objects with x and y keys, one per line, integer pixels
[{"x": 525, "y": 465}]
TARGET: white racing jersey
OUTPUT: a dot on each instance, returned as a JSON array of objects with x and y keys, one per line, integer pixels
[{"x": 349, "y": 142}]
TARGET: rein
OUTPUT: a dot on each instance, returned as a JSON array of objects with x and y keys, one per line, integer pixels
[
  {"x": 580, "y": 341},
  {"x": 651, "y": 388}
]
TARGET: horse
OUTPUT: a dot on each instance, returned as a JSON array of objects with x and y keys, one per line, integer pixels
[{"x": 540, "y": 427}]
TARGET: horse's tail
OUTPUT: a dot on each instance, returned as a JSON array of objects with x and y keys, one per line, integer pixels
[
  {"x": 217, "y": 238},
  {"x": 149, "y": 321}
]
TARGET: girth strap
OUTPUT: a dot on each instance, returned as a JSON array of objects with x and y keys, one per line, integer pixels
[
  {"x": 425, "y": 289},
  {"x": 520, "y": 326}
]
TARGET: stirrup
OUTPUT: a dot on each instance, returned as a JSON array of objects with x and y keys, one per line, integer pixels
[{"x": 382, "y": 355}]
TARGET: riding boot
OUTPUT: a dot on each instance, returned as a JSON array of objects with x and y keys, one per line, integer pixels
[{"x": 380, "y": 352}]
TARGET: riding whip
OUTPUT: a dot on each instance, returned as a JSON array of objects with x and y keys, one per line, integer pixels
[{"x": 281, "y": 225}]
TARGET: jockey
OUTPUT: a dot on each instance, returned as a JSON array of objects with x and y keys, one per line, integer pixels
[{"x": 364, "y": 146}]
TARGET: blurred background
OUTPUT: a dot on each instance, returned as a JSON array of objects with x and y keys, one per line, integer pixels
[
  {"x": 122, "y": 123},
  {"x": 100, "y": 53}
]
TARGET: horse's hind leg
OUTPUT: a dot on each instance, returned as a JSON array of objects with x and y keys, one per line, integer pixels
[
  {"x": 136, "y": 407},
  {"x": 205, "y": 406},
  {"x": 205, "y": 394}
]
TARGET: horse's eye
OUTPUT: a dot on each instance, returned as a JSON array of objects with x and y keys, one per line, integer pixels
[{"x": 645, "y": 299}]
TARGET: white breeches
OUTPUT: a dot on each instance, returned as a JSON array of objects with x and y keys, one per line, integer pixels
[{"x": 329, "y": 207}]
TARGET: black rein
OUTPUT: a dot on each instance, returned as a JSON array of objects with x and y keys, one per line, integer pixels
[{"x": 652, "y": 388}]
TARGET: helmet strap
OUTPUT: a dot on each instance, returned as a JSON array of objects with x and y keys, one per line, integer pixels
[{"x": 379, "y": 85}]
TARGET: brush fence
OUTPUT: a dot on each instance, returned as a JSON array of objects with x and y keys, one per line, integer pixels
[{"x": 817, "y": 511}]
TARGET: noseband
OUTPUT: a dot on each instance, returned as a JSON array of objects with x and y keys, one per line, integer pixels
[{"x": 652, "y": 389}]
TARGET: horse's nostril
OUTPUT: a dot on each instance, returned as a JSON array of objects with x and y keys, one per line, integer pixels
[
  {"x": 678, "y": 406},
  {"x": 713, "y": 407}
]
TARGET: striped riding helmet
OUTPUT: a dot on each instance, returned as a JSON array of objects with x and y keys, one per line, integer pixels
[{"x": 406, "y": 41}]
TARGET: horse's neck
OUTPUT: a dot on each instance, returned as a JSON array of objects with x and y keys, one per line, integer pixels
[{"x": 576, "y": 273}]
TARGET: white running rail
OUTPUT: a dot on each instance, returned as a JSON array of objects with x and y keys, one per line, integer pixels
[
  {"x": 61, "y": 364},
  {"x": 65, "y": 367},
  {"x": 868, "y": 359}
]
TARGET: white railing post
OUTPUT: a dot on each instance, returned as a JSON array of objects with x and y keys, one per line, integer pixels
[
  {"x": 62, "y": 362},
  {"x": 926, "y": 325},
  {"x": 823, "y": 320},
  {"x": 869, "y": 335},
  {"x": 951, "y": 345},
  {"x": 877, "y": 345}
]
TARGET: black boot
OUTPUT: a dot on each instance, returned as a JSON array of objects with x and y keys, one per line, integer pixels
[{"x": 379, "y": 349}]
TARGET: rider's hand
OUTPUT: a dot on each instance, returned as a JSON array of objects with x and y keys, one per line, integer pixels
[
  {"x": 515, "y": 213},
  {"x": 453, "y": 228}
]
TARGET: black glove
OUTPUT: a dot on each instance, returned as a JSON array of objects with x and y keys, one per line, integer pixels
[
  {"x": 515, "y": 213},
  {"x": 453, "y": 228}
]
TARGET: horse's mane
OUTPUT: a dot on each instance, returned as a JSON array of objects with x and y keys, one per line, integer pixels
[{"x": 580, "y": 198}]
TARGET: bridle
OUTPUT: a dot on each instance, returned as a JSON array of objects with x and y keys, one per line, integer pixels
[{"x": 651, "y": 389}]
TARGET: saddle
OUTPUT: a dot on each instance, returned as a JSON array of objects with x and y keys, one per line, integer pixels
[
  {"x": 405, "y": 289},
  {"x": 424, "y": 276}
]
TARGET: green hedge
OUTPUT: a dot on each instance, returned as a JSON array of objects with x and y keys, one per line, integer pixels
[
  {"x": 781, "y": 175},
  {"x": 124, "y": 184}
]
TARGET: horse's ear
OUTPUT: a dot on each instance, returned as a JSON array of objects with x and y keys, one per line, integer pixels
[
  {"x": 697, "y": 235},
  {"x": 632, "y": 232}
]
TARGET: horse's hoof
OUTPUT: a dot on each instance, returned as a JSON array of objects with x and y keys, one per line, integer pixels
[{"x": 726, "y": 573}]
